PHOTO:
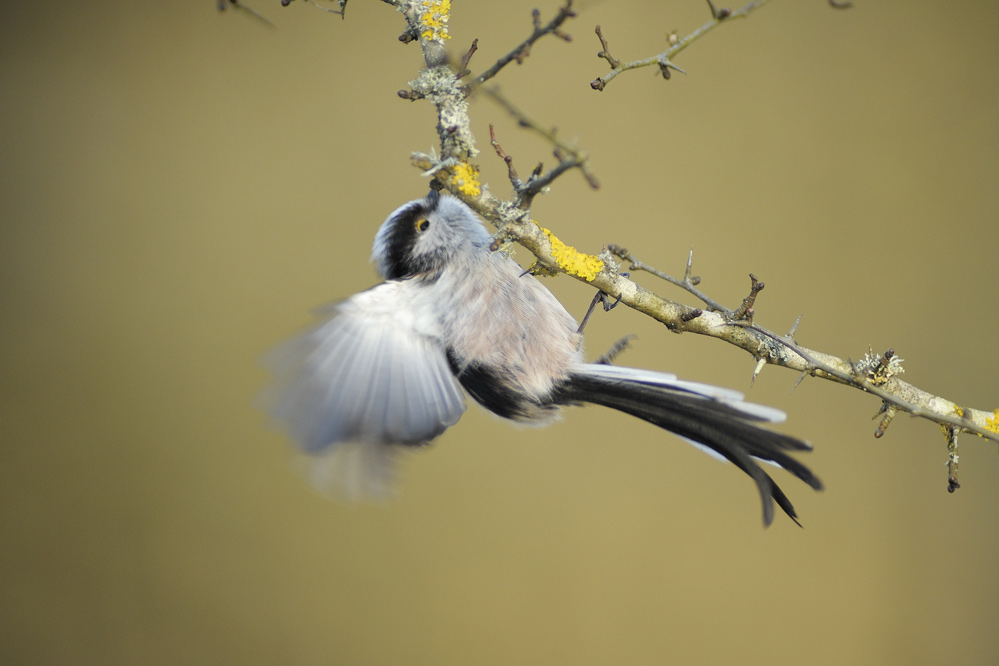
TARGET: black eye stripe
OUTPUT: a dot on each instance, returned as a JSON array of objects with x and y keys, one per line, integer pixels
[
  {"x": 400, "y": 241},
  {"x": 400, "y": 262}
]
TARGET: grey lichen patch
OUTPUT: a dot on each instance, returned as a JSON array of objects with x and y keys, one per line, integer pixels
[
  {"x": 440, "y": 86},
  {"x": 879, "y": 368}
]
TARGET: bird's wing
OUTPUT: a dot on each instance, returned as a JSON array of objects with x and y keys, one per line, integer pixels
[{"x": 371, "y": 376}]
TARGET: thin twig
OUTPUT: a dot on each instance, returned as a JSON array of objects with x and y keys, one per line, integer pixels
[
  {"x": 570, "y": 156},
  {"x": 342, "y": 12},
  {"x": 522, "y": 50},
  {"x": 605, "y": 50},
  {"x": 512, "y": 172},
  {"x": 745, "y": 311},
  {"x": 236, "y": 4},
  {"x": 466, "y": 58},
  {"x": 663, "y": 60},
  {"x": 688, "y": 282}
]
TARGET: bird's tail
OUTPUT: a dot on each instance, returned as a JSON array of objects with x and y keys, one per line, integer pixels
[{"x": 714, "y": 419}]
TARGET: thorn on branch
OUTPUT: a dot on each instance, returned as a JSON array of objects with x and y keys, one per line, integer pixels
[
  {"x": 794, "y": 327},
  {"x": 801, "y": 377},
  {"x": 719, "y": 14},
  {"x": 222, "y": 4},
  {"x": 665, "y": 66},
  {"x": 693, "y": 280},
  {"x": 409, "y": 36},
  {"x": 760, "y": 364},
  {"x": 687, "y": 282}
]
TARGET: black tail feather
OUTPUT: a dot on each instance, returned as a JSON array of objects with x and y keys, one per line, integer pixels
[{"x": 704, "y": 420}]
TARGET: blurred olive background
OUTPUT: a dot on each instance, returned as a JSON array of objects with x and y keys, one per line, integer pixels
[{"x": 180, "y": 187}]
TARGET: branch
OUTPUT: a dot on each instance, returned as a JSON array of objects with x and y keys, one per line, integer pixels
[
  {"x": 663, "y": 60},
  {"x": 568, "y": 154},
  {"x": 875, "y": 374},
  {"x": 427, "y": 22},
  {"x": 522, "y": 50}
]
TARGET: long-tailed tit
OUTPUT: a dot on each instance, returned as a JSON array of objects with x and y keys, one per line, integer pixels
[{"x": 386, "y": 370}]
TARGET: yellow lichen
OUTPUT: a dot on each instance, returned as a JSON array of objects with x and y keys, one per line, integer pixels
[
  {"x": 573, "y": 261},
  {"x": 992, "y": 423},
  {"x": 466, "y": 177},
  {"x": 434, "y": 15}
]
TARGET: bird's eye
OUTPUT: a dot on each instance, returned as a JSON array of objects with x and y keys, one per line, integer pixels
[{"x": 423, "y": 225}]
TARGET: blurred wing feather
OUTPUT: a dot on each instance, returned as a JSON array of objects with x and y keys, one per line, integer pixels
[{"x": 373, "y": 372}]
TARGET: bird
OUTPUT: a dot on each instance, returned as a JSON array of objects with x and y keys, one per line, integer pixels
[{"x": 387, "y": 369}]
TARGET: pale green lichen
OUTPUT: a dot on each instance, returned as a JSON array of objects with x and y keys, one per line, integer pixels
[
  {"x": 573, "y": 261},
  {"x": 876, "y": 369}
]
